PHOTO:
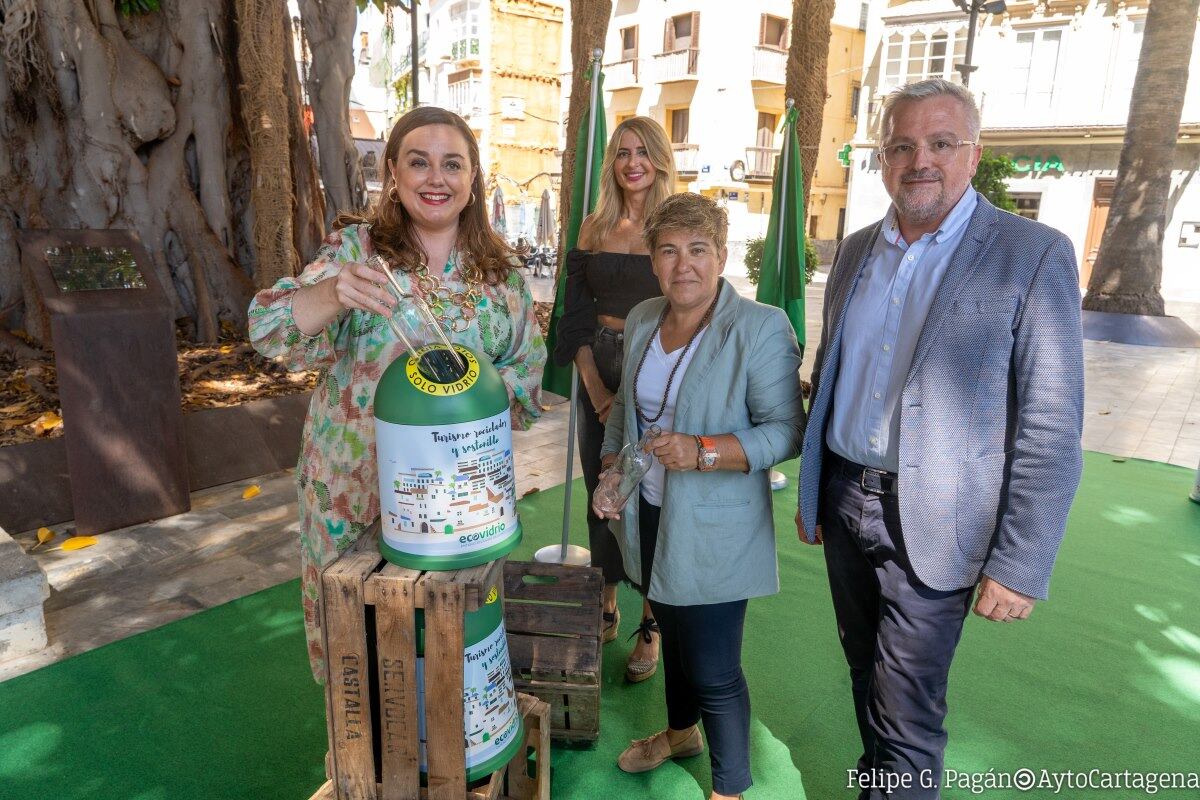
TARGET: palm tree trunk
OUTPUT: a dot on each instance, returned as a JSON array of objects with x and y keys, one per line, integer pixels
[
  {"x": 1128, "y": 272},
  {"x": 589, "y": 27},
  {"x": 807, "y": 77}
]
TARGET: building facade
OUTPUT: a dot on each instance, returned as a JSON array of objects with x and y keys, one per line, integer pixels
[
  {"x": 496, "y": 64},
  {"x": 1053, "y": 83},
  {"x": 713, "y": 75}
]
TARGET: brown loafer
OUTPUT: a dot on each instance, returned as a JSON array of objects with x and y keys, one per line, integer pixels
[{"x": 643, "y": 755}]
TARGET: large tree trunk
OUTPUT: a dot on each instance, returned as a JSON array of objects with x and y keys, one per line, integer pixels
[
  {"x": 262, "y": 52},
  {"x": 1127, "y": 275},
  {"x": 807, "y": 78},
  {"x": 589, "y": 27},
  {"x": 308, "y": 223},
  {"x": 109, "y": 121},
  {"x": 329, "y": 28}
]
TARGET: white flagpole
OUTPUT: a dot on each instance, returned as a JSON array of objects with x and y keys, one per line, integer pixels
[
  {"x": 567, "y": 553},
  {"x": 778, "y": 479}
]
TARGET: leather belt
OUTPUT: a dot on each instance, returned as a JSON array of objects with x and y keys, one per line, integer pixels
[
  {"x": 870, "y": 480},
  {"x": 618, "y": 337}
]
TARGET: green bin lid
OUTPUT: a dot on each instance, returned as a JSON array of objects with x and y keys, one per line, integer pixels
[{"x": 408, "y": 394}]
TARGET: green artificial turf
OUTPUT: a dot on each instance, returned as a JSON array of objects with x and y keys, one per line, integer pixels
[{"x": 1105, "y": 675}]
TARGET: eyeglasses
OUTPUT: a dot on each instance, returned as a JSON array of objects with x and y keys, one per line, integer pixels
[{"x": 941, "y": 152}]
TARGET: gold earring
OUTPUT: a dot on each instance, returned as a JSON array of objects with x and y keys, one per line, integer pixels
[
  {"x": 393, "y": 195},
  {"x": 471, "y": 202}
]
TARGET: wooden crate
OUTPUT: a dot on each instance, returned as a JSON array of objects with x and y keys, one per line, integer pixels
[
  {"x": 553, "y": 615},
  {"x": 516, "y": 781},
  {"x": 369, "y": 632}
]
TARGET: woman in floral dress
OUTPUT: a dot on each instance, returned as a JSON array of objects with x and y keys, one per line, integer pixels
[{"x": 430, "y": 227}]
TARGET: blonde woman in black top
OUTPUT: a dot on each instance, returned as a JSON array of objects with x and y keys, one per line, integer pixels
[{"x": 607, "y": 275}]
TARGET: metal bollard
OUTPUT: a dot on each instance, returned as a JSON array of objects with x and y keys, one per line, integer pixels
[{"x": 1195, "y": 495}]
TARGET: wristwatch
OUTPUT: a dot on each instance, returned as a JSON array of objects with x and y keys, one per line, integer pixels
[{"x": 706, "y": 453}]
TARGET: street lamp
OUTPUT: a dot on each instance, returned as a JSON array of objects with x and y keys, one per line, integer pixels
[{"x": 973, "y": 7}]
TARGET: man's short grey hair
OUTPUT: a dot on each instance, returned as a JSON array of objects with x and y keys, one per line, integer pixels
[{"x": 923, "y": 90}]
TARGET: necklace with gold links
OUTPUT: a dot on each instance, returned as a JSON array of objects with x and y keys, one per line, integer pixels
[{"x": 441, "y": 300}]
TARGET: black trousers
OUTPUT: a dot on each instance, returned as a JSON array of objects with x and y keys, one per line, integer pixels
[
  {"x": 702, "y": 665},
  {"x": 607, "y": 350},
  {"x": 898, "y": 636}
]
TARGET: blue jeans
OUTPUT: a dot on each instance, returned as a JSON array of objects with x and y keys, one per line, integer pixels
[{"x": 702, "y": 665}]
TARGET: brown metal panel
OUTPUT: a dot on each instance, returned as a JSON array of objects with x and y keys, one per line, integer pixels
[{"x": 114, "y": 350}]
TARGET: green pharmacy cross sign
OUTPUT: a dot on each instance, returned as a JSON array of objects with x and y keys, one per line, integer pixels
[{"x": 844, "y": 155}]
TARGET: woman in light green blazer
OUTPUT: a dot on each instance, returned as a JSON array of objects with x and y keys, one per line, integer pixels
[{"x": 719, "y": 374}]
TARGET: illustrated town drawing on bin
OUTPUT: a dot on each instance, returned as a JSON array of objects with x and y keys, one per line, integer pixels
[
  {"x": 489, "y": 713},
  {"x": 476, "y": 495}
]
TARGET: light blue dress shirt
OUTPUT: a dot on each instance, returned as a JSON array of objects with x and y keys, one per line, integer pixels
[{"x": 883, "y": 322}]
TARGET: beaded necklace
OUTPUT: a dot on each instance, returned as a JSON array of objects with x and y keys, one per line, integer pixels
[{"x": 670, "y": 378}]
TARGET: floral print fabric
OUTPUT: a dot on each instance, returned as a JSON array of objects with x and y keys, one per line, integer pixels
[{"x": 336, "y": 475}]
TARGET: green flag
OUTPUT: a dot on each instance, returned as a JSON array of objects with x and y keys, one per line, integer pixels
[
  {"x": 781, "y": 279},
  {"x": 558, "y": 379}
]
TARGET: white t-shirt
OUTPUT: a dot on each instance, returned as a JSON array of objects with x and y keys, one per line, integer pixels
[{"x": 651, "y": 384}]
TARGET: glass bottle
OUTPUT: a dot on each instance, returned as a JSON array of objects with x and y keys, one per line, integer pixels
[{"x": 619, "y": 482}]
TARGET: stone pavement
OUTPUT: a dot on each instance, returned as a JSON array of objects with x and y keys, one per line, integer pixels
[{"x": 1140, "y": 402}]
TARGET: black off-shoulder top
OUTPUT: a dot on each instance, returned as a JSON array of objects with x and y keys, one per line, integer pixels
[{"x": 600, "y": 283}]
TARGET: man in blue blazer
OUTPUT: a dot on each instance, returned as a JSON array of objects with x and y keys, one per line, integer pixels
[{"x": 942, "y": 450}]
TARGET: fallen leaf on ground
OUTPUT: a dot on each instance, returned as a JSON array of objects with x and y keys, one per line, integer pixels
[
  {"x": 78, "y": 542},
  {"x": 251, "y": 491},
  {"x": 16, "y": 408},
  {"x": 46, "y": 422},
  {"x": 43, "y": 535}
]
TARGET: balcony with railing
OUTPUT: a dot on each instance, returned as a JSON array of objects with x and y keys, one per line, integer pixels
[
  {"x": 770, "y": 65},
  {"x": 621, "y": 74},
  {"x": 760, "y": 162},
  {"x": 678, "y": 65},
  {"x": 464, "y": 98},
  {"x": 687, "y": 158}
]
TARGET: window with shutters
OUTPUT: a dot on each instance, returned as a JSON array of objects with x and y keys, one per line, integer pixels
[
  {"x": 773, "y": 32},
  {"x": 917, "y": 46},
  {"x": 629, "y": 43},
  {"x": 922, "y": 54},
  {"x": 892, "y": 60},
  {"x": 679, "y": 125},
  {"x": 766, "y": 129},
  {"x": 1034, "y": 68},
  {"x": 1124, "y": 67},
  {"x": 682, "y": 32},
  {"x": 937, "y": 55},
  {"x": 1029, "y": 204}
]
